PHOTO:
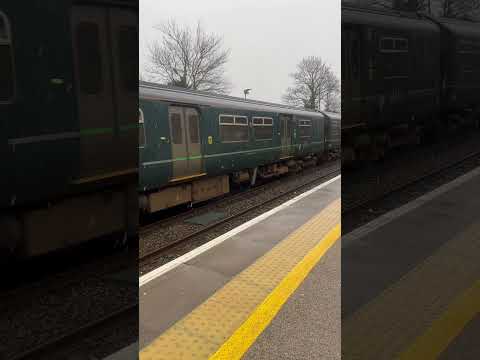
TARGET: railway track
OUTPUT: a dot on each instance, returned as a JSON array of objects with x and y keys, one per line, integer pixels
[
  {"x": 69, "y": 342},
  {"x": 348, "y": 208},
  {"x": 62, "y": 309},
  {"x": 146, "y": 257}
]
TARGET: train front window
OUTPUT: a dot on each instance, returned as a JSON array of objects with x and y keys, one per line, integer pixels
[
  {"x": 7, "y": 80},
  {"x": 90, "y": 61}
]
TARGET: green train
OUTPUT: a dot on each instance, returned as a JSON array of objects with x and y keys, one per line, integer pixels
[
  {"x": 193, "y": 145},
  {"x": 68, "y": 125}
]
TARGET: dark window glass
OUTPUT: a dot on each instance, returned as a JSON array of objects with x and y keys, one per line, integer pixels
[
  {"x": 226, "y": 119},
  {"x": 268, "y": 121},
  {"x": 176, "y": 123},
  {"x": 305, "y": 131},
  {"x": 241, "y": 120},
  {"x": 355, "y": 59},
  {"x": 233, "y": 133},
  {"x": 128, "y": 42},
  {"x": 3, "y": 28},
  {"x": 193, "y": 128},
  {"x": 6, "y": 62},
  {"x": 263, "y": 132},
  {"x": 6, "y": 73},
  {"x": 257, "y": 121},
  {"x": 387, "y": 44},
  {"x": 401, "y": 45},
  {"x": 89, "y": 58}
]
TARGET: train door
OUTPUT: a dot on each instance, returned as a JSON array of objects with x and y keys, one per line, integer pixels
[
  {"x": 351, "y": 80},
  {"x": 107, "y": 95},
  {"x": 124, "y": 38},
  {"x": 287, "y": 127},
  {"x": 185, "y": 142}
]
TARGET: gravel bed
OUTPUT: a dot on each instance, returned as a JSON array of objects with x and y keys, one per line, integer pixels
[
  {"x": 272, "y": 192},
  {"x": 40, "y": 312},
  {"x": 164, "y": 233},
  {"x": 98, "y": 343},
  {"x": 371, "y": 188}
]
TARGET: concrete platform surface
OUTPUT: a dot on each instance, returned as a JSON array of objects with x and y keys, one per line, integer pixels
[
  {"x": 217, "y": 303},
  {"x": 410, "y": 281}
]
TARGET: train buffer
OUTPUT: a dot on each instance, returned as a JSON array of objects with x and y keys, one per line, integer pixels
[
  {"x": 411, "y": 279},
  {"x": 268, "y": 289}
]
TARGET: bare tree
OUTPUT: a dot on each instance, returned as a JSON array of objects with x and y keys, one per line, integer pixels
[
  {"x": 314, "y": 82},
  {"x": 189, "y": 58}
]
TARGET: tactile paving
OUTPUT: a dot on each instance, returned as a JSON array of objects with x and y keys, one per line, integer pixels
[{"x": 201, "y": 333}]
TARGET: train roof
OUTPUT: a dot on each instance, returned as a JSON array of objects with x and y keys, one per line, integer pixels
[
  {"x": 462, "y": 28},
  {"x": 179, "y": 95},
  {"x": 387, "y": 19},
  {"x": 335, "y": 116}
]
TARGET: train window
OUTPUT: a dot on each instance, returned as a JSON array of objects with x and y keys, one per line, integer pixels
[
  {"x": 305, "y": 128},
  {"x": 233, "y": 128},
  {"x": 241, "y": 120},
  {"x": 7, "y": 80},
  {"x": 262, "y": 128},
  {"x": 89, "y": 58},
  {"x": 393, "y": 45},
  {"x": 176, "y": 124},
  {"x": 401, "y": 44},
  {"x": 128, "y": 40},
  {"x": 193, "y": 128},
  {"x": 257, "y": 121},
  {"x": 226, "y": 119},
  {"x": 386, "y": 44},
  {"x": 141, "y": 128}
]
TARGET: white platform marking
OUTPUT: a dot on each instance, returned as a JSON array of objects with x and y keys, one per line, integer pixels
[
  {"x": 127, "y": 353},
  {"x": 394, "y": 214}
]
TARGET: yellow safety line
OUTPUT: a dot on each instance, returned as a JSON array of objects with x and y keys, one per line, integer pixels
[
  {"x": 238, "y": 344},
  {"x": 446, "y": 328},
  {"x": 392, "y": 321},
  {"x": 229, "y": 321}
]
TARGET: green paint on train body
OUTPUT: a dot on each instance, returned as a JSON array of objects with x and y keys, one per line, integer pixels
[
  {"x": 38, "y": 161},
  {"x": 217, "y": 157}
]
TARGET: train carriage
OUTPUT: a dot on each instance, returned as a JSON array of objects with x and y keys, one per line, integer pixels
[
  {"x": 461, "y": 54},
  {"x": 68, "y": 126},
  {"x": 390, "y": 76},
  {"x": 404, "y": 75},
  {"x": 193, "y": 144}
]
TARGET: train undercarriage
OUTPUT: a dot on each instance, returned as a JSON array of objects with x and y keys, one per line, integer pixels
[
  {"x": 44, "y": 228},
  {"x": 206, "y": 188}
]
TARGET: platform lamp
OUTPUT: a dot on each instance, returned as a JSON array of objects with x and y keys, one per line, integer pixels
[{"x": 246, "y": 92}]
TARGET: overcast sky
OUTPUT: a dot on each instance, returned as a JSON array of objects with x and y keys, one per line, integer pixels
[{"x": 267, "y": 38}]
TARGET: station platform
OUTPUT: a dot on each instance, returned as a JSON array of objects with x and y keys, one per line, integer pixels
[
  {"x": 269, "y": 289},
  {"x": 411, "y": 279}
]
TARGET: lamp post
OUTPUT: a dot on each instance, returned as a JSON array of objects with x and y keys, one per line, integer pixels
[{"x": 246, "y": 92}]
